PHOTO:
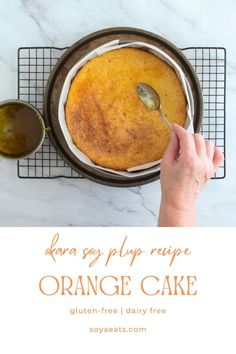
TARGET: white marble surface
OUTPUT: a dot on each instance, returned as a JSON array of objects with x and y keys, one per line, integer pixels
[{"x": 62, "y": 22}]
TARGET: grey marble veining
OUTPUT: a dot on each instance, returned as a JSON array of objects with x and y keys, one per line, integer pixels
[{"x": 59, "y": 23}]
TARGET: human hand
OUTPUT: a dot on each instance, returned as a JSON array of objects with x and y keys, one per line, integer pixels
[{"x": 188, "y": 163}]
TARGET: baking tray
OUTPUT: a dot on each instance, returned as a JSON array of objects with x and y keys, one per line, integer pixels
[{"x": 56, "y": 81}]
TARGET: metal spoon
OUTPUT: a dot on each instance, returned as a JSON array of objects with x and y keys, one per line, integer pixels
[{"x": 151, "y": 100}]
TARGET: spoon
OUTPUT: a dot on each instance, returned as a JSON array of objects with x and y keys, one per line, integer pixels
[{"x": 151, "y": 100}]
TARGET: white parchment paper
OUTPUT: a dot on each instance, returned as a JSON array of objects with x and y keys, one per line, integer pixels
[{"x": 113, "y": 45}]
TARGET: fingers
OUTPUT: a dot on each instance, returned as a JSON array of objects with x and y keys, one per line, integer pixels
[
  {"x": 192, "y": 145},
  {"x": 217, "y": 158},
  {"x": 199, "y": 144},
  {"x": 209, "y": 149},
  {"x": 173, "y": 148},
  {"x": 186, "y": 140}
]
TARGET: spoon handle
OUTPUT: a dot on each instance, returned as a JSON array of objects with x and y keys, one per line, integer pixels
[{"x": 165, "y": 119}]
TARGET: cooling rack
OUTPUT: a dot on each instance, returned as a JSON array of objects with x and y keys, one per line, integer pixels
[{"x": 36, "y": 63}]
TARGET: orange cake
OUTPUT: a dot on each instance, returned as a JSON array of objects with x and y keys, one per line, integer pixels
[{"x": 106, "y": 118}]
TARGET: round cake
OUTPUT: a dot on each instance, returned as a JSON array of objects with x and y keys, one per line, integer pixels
[{"x": 107, "y": 120}]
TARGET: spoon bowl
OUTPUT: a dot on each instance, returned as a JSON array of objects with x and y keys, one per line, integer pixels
[{"x": 151, "y": 99}]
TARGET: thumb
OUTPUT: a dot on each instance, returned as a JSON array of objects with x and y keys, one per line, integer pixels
[{"x": 173, "y": 148}]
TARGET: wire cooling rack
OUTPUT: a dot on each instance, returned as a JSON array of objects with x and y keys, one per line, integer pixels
[{"x": 36, "y": 63}]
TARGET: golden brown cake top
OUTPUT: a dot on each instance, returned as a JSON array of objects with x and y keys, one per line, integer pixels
[{"x": 106, "y": 118}]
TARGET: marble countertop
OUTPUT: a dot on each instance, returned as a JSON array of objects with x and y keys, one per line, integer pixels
[{"x": 60, "y": 23}]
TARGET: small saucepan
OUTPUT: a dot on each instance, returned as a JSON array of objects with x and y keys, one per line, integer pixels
[{"x": 22, "y": 129}]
